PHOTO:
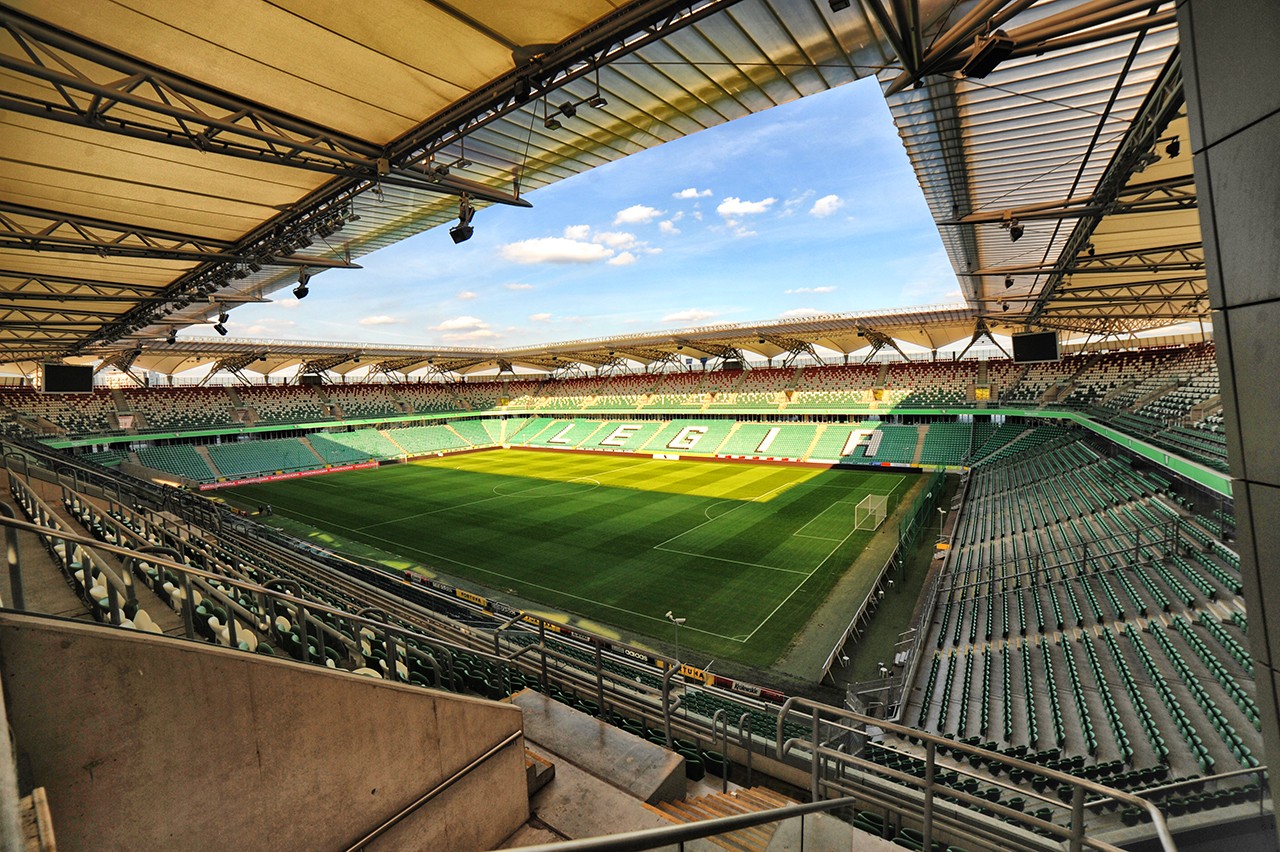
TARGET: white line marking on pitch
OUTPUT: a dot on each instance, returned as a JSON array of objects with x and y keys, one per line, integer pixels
[
  {"x": 440, "y": 557},
  {"x": 726, "y": 559},
  {"x": 901, "y": 479},
  {"x": 755, "y": 499}
]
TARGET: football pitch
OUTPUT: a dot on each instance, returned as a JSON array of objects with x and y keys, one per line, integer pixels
[{"x": 744, "y": 553}]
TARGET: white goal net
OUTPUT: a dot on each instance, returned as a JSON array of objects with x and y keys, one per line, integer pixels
[{"x": 870, "y": 512}]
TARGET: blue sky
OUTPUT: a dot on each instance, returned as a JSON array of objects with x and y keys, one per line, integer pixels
[{"x": 810, "y": 207}]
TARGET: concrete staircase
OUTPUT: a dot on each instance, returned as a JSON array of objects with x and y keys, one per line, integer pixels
[{"x": 716, "y": 805}]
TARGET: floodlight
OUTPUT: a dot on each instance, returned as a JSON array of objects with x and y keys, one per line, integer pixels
[
  {"x": 597, "y": 101},
  {"x": 1174, "y": 148},
  {"x": 551, "y": 123},
  {"x": 462, "y": 231},
  {"x": 568, "y": 110},
  {"x": 1008, "y": 281},
  {"x": 1016, "y": 229},
  {"x": 172, "y": 337},
  {"x": 221, "y": 329},
  {"x": 301, "y": 291},
  {"x": 223, "y": 317},
  {"x": 838, "y": 5}
]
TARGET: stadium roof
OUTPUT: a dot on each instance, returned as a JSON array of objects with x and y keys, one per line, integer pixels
[{"x": 165, "y": 162}]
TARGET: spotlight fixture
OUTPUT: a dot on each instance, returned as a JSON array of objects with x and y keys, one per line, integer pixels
[
  {"x": 304, "y": 276},
  {"x": 255, "y": 265},
  {"x": 172, "y": 337},
  {"x": 1008, "y": 281},
  {"x": 462, "y": 231},
  {"x": 551, "y": 123},
  {"x": 1016, "y": 229},
  {"x": 221, "y": 329},
  {"x": 522, "y": 90},
  {"x": 223, "y": 316},
  {"x": 568, "y": 109},
  {"x": 988, "y": 52},
  {"x": 1174, "y": 148},
  {"x": 597, "y": 101},
  {"x": 301, "y": 291},
  {"x": 838, "y": 5},
  {"x": 1004, "y": 306},
  {"x": 1090, "y": 250}
]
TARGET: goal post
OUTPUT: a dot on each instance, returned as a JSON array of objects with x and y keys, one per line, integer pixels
[{"x": 870, "y": 512}]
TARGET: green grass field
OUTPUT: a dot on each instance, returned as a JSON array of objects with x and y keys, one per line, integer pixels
[{"x": 743, "y": 552}]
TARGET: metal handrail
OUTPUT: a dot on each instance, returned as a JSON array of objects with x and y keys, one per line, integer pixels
[
  {"x": 444, "y": 785},
  {"x": 1075, "y": 835},
  {"x": 191, "y": 573},
  {"x": 652, "y": 838}
]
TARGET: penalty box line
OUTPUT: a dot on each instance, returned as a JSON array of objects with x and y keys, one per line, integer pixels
[
  {"x": 844, "y": 501},
  {"x": 815, "y": 570}
]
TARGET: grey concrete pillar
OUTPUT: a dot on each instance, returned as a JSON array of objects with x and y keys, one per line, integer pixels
[{"x": 1231, "y": 60}]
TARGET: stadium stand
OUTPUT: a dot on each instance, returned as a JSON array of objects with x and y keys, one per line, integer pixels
[
  {"x": 249, "y": 458},
  {"x": 420, "y": 440},
  {"x": 180, "y": 459},
  {"x": 181, "y": 409},
  {"x": 72, "y": 413},
  {"x": 360, "y": 445},
  {"x": 292, "y": 404},
  {"x": 365, "y": 400},
  {"x": 701, "y": 437}
]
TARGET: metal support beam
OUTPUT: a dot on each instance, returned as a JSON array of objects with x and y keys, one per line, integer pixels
[
  {"x": 1162, "y": 105},
  {"x": 75, "y": 81}
]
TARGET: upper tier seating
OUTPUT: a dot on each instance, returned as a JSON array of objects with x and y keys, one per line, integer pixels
[
  {"x": 281, "y": 404},
  {"x": 182, "y": 409}
]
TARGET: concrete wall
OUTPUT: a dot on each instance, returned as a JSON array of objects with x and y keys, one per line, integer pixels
[
  {"x": 147, "y": 742},
  {"x": 1231, "y": 57}
]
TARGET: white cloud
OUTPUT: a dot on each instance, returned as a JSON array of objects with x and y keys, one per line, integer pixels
[
  {"x": 539, "y": 317},
  {"x": 518, "y": 287},
  {"x": 734, "y": 206},
  {"x": 615, "y": 239},
  {"x": 473, "y": 334},
  {"x": 555, "y": 250},
  {"x": 799, "y": 312},
  {"x": 465, "y": 328},
  {"x": 577, "y": 232},
  {"x": 825, "y": 206},
  {"x": 462, "y": 323},
  {"x": 741, "y": 231},
  {"x": 624, "y": 259},
  {"x": 636, "y": 214},
  {"x": 691, "y": 192},
  {"x": 668, "y": 227},
  {"x": 689, "y": 315},
  {"x": 826, "y": 289},
  {"x": 379, "y": 319},
  {"x": 466, "y": 296}
]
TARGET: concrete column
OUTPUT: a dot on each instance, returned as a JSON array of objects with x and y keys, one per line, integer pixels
[{"x": 1231, "y": 57}]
